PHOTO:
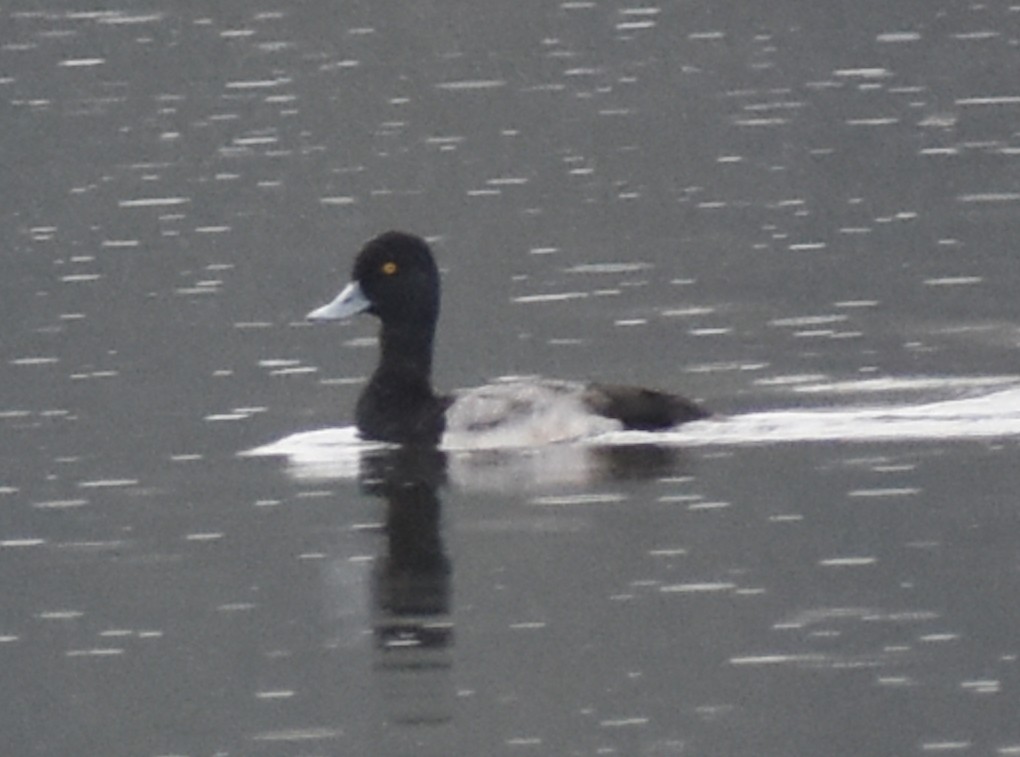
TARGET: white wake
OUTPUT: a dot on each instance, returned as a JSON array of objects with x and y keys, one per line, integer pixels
[{"x": 337, "y": 452}]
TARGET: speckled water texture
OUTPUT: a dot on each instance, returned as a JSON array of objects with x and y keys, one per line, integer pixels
[{"x": 803, "y": 215}]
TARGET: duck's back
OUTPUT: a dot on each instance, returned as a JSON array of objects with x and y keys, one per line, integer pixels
[
  {"x": 642, "y": 409},
  {"x": 522, "y": 412}
]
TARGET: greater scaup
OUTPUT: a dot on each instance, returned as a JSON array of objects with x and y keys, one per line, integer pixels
[{"x": 396, "y": 279}]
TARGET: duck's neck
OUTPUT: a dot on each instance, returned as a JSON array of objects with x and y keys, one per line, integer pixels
[
  {"x": 406, "y": 356},
  {"x": 398, "y": 405}
]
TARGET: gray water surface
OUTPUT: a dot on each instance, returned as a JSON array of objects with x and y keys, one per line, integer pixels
[{"x": 771, "y": 208}]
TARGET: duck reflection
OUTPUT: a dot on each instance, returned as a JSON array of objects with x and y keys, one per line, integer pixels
[
  {"x": 409, "y": 579},
  {"x": 412, "y": 580},
  {"x": 411, "y": 598},
  {"x": 411, "y": 602}
]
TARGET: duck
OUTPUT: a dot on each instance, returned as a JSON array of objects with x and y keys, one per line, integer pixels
[{"x": 395, "y": 278}]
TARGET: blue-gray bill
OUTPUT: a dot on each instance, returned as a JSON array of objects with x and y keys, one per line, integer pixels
[{"x": 350, "y": 301}]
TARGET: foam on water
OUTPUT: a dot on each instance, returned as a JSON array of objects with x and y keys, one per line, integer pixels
[
  {"x": 992, "y": 415},
  {"x": 323, "y": 453}
]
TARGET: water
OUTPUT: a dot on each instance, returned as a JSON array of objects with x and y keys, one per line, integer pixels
[{"x": 804, "y": 220}]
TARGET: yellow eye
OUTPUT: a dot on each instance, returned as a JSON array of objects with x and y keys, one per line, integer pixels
[{"x": 389, "y": 268}]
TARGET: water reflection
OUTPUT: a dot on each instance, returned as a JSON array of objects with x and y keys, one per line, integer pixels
[
  {"x": 411, "y": 597},
  {"x": 565, "y": 466}
]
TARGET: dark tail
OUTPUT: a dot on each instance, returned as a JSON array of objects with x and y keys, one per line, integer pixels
[{"x": 642, "y": 409}]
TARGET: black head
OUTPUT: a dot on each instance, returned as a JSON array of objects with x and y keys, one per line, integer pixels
[
  {"x": 395, "y": 278},
  {"x": 398, "y": 276}
]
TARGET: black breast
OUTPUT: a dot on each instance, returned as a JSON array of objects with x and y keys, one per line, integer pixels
[{"x": 401, "y": 413}]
